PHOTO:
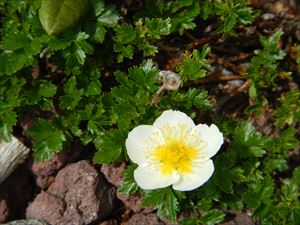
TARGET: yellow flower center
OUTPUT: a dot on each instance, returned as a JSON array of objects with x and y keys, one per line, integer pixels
[{"x": 175, "y": 155}]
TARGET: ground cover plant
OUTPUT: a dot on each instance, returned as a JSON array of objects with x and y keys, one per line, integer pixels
[{"x": 93, "y": 71}]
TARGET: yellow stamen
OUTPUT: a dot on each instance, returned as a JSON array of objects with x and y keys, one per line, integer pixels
[{"x": 175, "y": 155}]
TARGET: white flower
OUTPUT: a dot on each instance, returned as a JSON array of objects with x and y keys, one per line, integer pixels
[{"x": 174, "y": 151}]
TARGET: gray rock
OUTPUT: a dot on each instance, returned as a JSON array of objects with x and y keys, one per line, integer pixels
[{"x": 26, "y": 222}]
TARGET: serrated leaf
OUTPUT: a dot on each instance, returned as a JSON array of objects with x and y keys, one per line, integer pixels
[
  {"x": 259, "y": 192},
  {"x": 165, "y": 201},
  {"x": 5, "y": 132},
  {"x": 47, "y": 89},
  {"x": 98, "y": 6},
  {"x": 8, "y": 119},
  {"x": 15, "y": 41},
  {"x": 194, "y": 65},
  {"x": 248, "y": 142},
  {"x": 47, "y": 139},
  {"x": 129, "y": 186},
  {"x": 58, "y": 15},
  {"x": 109, "y": 18},
  {"x": 169, "y": 207},
  {"x": 212, "y": 217},
  {"x": 80, "y": 55},
  {"x": 94, "y": 87},
  {"x": 73, "y": 95},
  {"x": 109, "y": 146},
  {"x": 99, "y": 34},
  {"x": 125, "y": 34},
  {"x": 46, "y": 104}
]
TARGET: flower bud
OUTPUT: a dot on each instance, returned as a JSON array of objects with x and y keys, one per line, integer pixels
[{"x": 171, "y": 81}]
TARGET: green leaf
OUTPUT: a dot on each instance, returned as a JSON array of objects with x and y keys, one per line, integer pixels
[
  {"x": 48, "y": 139},
  {"x": 212, "y": 217},
  {"x": 195, "y": 65},
  {"x": 157, "y": 27},
  {"x": 98, "y": 6},
  {"x": 165, "y": 201},
  {"x": 259, "y": 192},
  {"x": 226, "y": 174},
  {"x": 99, "y": 34},
  {"x": 5, "y": 131},
  {"x": 109, "y": 146},
  {"x": 80, "y": 55},
  {"x": 8, "y": 119},
  {"x": 169, "y": 207},
  {"x": 252, "y": 91},
  {"x": 233, "y": 12},
  {"x": 15, "y": 41},
  {"x": 94, "y": 88},
  {"x": 47, "y": 89},
  {"x": 247, "y": 142},
  {"x": 129, "y": 186},
  {"x": 72, "y": 97},
  {"x": 125, "y": 34},
  {"x": 288, "y": 112},
  {"x": 109, "y": 18},
  {"x": 58, "y": 15}
]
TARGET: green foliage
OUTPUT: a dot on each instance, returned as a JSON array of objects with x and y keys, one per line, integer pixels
[
  {"x": 263, "y": 71},
  {"x": 56, "y": 16},
  {"x": 186, "y": 100},
  {"x": 129, "y": 185},
  {"x": 109, "y": 146},
  {"x": 278, "y": 150},
  {"x": 287, "y": 205},
  {"x": 242, "y": 174},
  {"x": 195, "y": 65},
  {"x": 288, "y": 112},
  {"x": 49, "y": 139},
  {"x": 232, "y": 12},
  {"x": 165, "y": 17},
  {"x": 141, "y": 36},
  {"x": 182, "y": 14},
  {"x": 164, "y": 200},
  {"x": 296, "y": 51},
  {"x": 92, "y": 80},
  {"x": 210, "y": 218},
  {"x": 9, "y": 91}
]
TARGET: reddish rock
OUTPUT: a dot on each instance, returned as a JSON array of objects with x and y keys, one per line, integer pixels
[
  {"x": 149, "y": 219},
  {"x": 85, "y": 194},
  {"x": 114, "y": 173},
  {"x": 46, "y": 205},
  {"x": 15, "y": 192},
  {"x": 45, "y": 172},
  {"x": 109, "y": 222},
  {"x": 4, "y": 210},
  {"x": 134, "y": 202},
  {"x": 240, "y": 219}
]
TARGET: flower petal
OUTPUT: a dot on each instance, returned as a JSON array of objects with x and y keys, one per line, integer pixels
[
  {"x": 200, "y": 174},
  {"x": 173, "y": 118},
  {"x": 150, "y": 178},
  {"x": 141, "y": 141},
  {"x": 211, "y": 136},
  {"x": 174, "y": 125}
]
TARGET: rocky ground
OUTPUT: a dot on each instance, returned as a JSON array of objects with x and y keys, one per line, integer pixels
[{"x": 70, "y": 189}]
